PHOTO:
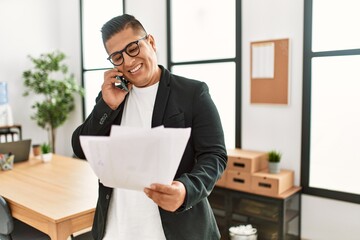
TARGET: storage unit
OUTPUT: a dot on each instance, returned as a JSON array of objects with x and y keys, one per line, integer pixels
[
  {"x": 274, "y": 217},
  {"x": 238, "y": 180},
  {"x": 246, "y": 160},
  {"x": 272, "y": 184}
]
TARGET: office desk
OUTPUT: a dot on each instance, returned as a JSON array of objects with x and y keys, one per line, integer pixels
[{"x": 58, "y": 197}]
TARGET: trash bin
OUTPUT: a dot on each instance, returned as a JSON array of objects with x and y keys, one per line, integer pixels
[{"x": 243, "y": 232}]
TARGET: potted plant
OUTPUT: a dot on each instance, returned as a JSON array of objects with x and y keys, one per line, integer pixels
[
  {"x": 46, "y": 153},
  {"x": 50, "y": 79},
  {"x": 274, "y": 161}
]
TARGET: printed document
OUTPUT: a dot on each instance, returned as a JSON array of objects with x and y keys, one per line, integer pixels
[{"x": 134, "y": 158}]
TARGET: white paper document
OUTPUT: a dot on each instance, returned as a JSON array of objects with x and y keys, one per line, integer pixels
[
  {"x": 134, "y": 158},
  {"x": 263, "y": 60}
]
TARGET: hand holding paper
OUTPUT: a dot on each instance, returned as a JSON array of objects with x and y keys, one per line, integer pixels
[{"x": 134, "y": 158}]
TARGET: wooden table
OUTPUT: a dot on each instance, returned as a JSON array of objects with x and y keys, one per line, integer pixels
[{"x": 58, "y": 197}]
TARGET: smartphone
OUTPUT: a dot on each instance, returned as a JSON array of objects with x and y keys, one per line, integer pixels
[{"x": 123, "y": 83}]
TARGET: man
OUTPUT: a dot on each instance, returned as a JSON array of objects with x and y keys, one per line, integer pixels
[{"x": 156, "y": 97}]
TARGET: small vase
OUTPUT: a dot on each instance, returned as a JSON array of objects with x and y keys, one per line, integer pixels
[
  {"x": 274, "y": 167},
  {"x": 46, "y": 157}
]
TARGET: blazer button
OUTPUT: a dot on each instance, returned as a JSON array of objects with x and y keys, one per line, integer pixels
[
  {"x": 107, "y": 196},
  {"x": 103, "y": 118}
]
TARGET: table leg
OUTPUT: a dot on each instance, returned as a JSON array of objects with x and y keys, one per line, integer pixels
[{"x": 60, "y": 231}]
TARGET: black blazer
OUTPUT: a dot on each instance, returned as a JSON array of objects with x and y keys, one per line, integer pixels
[{"x": 179, "y": 103}]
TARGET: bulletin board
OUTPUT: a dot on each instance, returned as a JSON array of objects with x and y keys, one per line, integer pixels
[{"x": 269, "y": 71}]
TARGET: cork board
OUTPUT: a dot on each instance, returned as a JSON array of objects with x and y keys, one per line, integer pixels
[{"x": 269, "y": 71}]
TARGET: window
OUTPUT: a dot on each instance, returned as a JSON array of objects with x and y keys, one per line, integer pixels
[
  {"x": 93, "y": 16},
  {"x": 205, "y": 45},
  {"x": 331, "y": 113}
]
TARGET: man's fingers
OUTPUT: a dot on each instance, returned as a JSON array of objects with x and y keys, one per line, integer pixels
[
  {"x": 168, "y": 197},
  {"x": 167, "y": 189}
]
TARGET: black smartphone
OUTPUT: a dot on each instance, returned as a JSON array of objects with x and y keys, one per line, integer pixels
[{"x": 123, "y": 83}]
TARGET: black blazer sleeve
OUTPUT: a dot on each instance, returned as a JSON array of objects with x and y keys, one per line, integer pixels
[
  {"x": 98, "y": 123},
  {"x": 206, "y": 147}
]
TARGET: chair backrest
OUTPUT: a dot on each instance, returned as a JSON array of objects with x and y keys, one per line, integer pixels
[{"x": 6, "y": 220}]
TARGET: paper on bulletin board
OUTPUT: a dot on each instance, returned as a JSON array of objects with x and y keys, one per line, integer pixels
[
  {"x": 269, "y": 72},
  {"x": 263, "y": 63}
]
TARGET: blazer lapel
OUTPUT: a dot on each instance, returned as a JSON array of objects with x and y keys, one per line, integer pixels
[{"x": 162, "y": 98}]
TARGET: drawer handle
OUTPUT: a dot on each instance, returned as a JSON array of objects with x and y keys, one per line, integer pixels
[
  {"x": 239, "y": 180},
  {"x": 266, "y": 185},
  {"x": 242, "y": 165}
]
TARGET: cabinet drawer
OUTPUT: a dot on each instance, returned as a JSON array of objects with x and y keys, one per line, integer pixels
[
  {"x": 237, "y": 219},
  {"x": 219, "y": 212},
  {"x": 261, "y": 210}
]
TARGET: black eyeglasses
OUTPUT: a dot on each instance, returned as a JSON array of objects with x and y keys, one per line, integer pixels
[{"x": 132, "y": 49}]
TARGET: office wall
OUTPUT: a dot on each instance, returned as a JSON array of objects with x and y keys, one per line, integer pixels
[
  {"x": 69, "y": 42},
  {"x": 154, "y": 22},
  {"x": 274, "y": 126},
  {"x": 36, "y": 26},
  {"x": 32, "y": 27}
]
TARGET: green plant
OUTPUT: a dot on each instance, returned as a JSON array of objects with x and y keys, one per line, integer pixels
[
  {"x": 49, "y": 78},
  {"x": 274, "y": 156},
  {"x": 45, "y": 148}
]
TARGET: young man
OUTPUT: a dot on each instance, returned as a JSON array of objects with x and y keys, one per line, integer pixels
[{"x": 156, "y": 97}]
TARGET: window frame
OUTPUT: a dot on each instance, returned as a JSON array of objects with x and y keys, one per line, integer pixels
[
  {"x": 236, "y": 60},
  {"x": 84, "y": 70},
  {"x": 306, "y": 110}
]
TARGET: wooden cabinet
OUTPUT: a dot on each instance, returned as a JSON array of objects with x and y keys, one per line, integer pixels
[{"x": 274, "y": 217}]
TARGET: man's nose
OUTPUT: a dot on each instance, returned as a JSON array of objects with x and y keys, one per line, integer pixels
[{"x": 128, "y": 60}]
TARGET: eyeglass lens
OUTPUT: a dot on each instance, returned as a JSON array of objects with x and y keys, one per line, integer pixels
[{"x": 132, "y": 50}]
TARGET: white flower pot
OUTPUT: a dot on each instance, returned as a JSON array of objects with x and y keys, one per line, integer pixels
[
  {"x": 274, "y": 167},
  {"x": 46, "y": 157}
]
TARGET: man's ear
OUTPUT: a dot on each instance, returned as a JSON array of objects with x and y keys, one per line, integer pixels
[{"x": 152, "y": 41}]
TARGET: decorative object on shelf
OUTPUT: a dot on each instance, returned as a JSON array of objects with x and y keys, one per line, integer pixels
[
  {"x": 7, "y": 161},
  {"x": 274, "y": 161},
  {"x": 46, "y": 153},
  {"x": 36, "y": 150},
  {"x": 3, "y": 93},
  {"x": 58, "y": 94},
  {"x": 243, "y": 232},
  {"x": 6, "y": 117}
]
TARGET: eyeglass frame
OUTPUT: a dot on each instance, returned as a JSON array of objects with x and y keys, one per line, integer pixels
[{"x": 124, "y": 50}]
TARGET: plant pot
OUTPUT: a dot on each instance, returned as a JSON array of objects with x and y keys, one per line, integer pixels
[
  {"x": 274, "y": 167},
  {"x": 46, "y": 157}
]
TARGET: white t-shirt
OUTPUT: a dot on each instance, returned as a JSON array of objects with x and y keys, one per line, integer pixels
[{"x": 132, "y": 215}]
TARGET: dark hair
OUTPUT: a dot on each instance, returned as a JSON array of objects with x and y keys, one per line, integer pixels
[{"x": 120, "y": 23}]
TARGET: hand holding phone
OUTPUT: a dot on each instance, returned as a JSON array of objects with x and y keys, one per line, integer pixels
[{"x": 123, "y": 83}]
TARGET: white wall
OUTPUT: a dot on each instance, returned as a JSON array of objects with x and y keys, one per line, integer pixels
[
  {"x": 37, "y": 26},
  {"x": 69, "y": 42},
  {"x": 27, "y": 28},
  {"x": 266, "y": 127},
  {"x": 31, "y": 28},
  {"x": 154, "y": 22},
  {"x": 270, "y": 126}
]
